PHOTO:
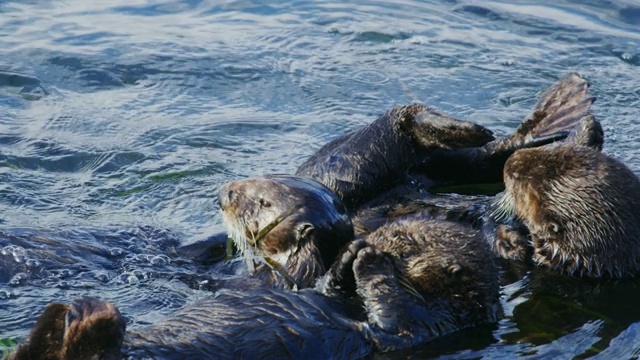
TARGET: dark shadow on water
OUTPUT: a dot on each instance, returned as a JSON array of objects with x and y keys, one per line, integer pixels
[
  {"x": 21, "y": 85},
  {"x": 630, "y": 15},
  {"x": 561, "y": 316}
]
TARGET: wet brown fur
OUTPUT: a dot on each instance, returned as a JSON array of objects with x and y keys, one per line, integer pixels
[
  {"x": 418, "y": 279},
  {"x": 443, "y": 261},
  {"x": 581, "y": 207},
  {"x": 86, "y": 330}
]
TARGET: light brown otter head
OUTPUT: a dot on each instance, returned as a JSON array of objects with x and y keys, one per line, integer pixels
[
  {"x": 296, "y": 223},
  {"x": 443, "y": 261},
  {"x": 582, "y": 209}
]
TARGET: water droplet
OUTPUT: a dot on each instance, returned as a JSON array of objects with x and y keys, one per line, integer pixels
[{"x": 372, "y": 77}]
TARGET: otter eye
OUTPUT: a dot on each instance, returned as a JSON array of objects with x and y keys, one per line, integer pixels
[{"x": 265, "y": 203}]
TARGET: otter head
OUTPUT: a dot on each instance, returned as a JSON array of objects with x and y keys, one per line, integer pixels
[
  {"x": 296, "y": 224},
  {"x": 442, "y": 261},
  {"x": 582, "y": 209}
]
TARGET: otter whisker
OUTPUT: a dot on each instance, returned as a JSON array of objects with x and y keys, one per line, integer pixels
[
  {"x": 504, "y": 208},
  {"x": 408, "y": 286},
  {"x": 246, "y": 241},
  {"x": 238, "y": 233}
]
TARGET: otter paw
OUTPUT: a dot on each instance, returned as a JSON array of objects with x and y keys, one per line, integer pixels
[
  {"x": 94, "y": 328},
  {"x": 380, "y": 290},
  {"x": 372, "y": 262},
  {"x": 339, "y": 280},
  {"x": 512, "y": 243}
]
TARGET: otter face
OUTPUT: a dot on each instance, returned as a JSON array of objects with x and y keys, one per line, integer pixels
[
  {"x": 285, "y": 219},
  {"x": 582, "y": 209},
  {"x": 442, "y": 261}
]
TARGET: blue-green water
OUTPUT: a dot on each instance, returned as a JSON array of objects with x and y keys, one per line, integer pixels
[{"x": 124, "y": 117}]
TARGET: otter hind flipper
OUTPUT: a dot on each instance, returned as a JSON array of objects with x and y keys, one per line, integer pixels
[
  {"x": 86, "y": 329},
  {"x": 562, "y": 114},
  {"x": 565, "y": 107}
]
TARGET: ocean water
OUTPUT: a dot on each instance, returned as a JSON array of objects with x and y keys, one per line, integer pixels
[{"x": 119, "y": 120}]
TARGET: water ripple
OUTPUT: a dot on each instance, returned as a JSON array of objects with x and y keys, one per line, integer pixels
[{"x": 134, "y": 113}]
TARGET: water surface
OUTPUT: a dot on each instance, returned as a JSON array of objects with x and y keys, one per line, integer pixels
[{"x": 119, "y": 120}]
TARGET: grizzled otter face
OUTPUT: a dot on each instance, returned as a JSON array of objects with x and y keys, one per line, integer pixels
[
  {"x": 293, "y": 221},
  {"x": 441, "y": 261},
  {"x": 581, "y": 207}
]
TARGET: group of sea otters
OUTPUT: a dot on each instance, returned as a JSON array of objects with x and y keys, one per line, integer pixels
[{"x": 359, "y": 253}]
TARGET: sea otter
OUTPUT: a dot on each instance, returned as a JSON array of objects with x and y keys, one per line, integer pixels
[
  {"x": 407, "y": 283},
  {"x": 296, "y": 225},
  {"x": 397, "y": 150},
  {"x": 360, "y": 165},
  {"x": 581, "y": 208},
  {"x": 371, "y": 252},
  {"x": 445, "y": 279},
  {"x": 415, "y": 144}
]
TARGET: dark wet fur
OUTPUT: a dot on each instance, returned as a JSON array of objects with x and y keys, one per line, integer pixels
[
  {"x": 361, "y": 165},
  {"x": 563, "y": 113},
  {"x": 384, "y": 293},
  {"x": 581, "y": 207},
  {"x": 445, "y": 280}
]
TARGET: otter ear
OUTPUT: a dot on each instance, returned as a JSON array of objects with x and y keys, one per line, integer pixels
[
  {"x": 455, "y": 269},
  {"x": 303, "y": 230},
  {"x": 554, "y": 227}
]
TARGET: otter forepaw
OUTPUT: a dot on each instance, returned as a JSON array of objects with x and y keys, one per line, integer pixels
[
  {"x": 339, "y": 280},
  {"x": 511, "y": 243},
  {"x": 381, "y": 292},
  {"x": 372, "y": 262}
]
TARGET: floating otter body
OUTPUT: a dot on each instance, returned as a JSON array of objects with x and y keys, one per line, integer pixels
[
  {"x": 374, "y": 297},
  {"x": 360, "y": 165},
  {"x": 385, "y": 293},
  {"x": 562, "y": 114},
  {"x": 418, "y": 146},
  {"x": 581, "y": 207},
  {"x": 444, "y": 280}
]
